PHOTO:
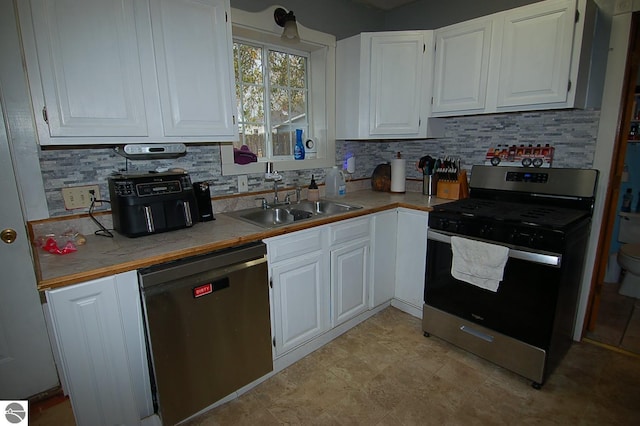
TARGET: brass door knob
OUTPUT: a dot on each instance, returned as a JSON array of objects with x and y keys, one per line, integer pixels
[{"x": 8, "y": 235}]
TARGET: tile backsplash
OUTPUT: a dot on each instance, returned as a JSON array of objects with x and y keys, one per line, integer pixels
[{"x": 572, "y": 132}]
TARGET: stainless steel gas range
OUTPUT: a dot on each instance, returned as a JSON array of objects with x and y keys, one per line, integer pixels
[{"x": 539, "y": 220}]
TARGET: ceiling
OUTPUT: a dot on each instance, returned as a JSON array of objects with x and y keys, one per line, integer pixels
[{"x": 385, "y": 4}]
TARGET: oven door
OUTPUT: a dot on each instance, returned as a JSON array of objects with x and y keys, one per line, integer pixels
[{"x": 524, "y": 305}]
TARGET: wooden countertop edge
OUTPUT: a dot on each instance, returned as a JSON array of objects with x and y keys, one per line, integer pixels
[{"x": 65, "y": 280}]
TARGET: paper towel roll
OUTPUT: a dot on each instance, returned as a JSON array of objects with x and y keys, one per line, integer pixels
[{"x": 398, "y": 174}]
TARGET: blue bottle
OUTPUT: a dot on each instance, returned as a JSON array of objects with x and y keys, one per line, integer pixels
[{"x": 298, "y": 151}]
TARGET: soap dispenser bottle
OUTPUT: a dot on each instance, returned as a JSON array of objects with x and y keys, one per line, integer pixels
[
  {"x": 313, "y": 193},
  {"x": 298, "y": 151}
]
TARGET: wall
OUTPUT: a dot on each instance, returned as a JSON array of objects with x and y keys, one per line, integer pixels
[
  {"x": 341, "y": 18},
  {"x": 572, "y": 132},
  {"x": 431, "y": 14}
]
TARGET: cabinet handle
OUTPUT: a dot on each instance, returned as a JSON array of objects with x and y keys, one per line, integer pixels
[
  {"x": 274, "y": 342},
  {"x": 44, "y": 114}
]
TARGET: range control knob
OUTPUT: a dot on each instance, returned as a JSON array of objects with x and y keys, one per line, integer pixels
[
  {"x": 486, "y": 230},
  {"x": 460, "y": 227}
]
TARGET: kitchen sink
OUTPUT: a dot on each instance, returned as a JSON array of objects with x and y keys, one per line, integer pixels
[
  {"x": 272, "y": 217},
  {"x": 325, "y": 207}
]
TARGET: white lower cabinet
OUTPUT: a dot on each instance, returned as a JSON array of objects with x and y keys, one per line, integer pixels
[
  {"x": 349, "y": 278},
  {"x": 299, "y": 292},
  {"x": 349, "y": 269},
  {"x": 301, "y": 301},
  {"x": 99, "y": 333},
  {"x": 383, "y": 256},
  {"x": 411, "y": 260},
  {"x": 320, "y": 279}
]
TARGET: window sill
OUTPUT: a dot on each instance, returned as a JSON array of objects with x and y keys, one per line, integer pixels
[{"x": 231, "y": 169}]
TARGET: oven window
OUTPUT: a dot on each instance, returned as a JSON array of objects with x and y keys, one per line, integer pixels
[{"x": 523, "y": 307}]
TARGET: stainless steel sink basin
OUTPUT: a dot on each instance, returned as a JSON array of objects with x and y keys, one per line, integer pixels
[
  {"x": 326, "y": 207},
  {"x": 287, "y": 214},
  {"x": 269, "y": 216}
]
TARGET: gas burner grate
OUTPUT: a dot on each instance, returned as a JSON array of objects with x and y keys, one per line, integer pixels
[{"x": 512, "y": 212}]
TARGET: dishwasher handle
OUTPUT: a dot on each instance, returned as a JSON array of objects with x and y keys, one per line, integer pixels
[
  {"x": 204, "y": 267},
  {"x": 202, "y": 283}
]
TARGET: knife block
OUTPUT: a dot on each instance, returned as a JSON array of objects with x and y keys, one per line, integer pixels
[
  {"x": 454, "y": 190},
  {"x": 448, "y": 189}
]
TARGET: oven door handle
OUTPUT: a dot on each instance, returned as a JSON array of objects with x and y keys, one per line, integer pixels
[{"x": 543, "y": 258}]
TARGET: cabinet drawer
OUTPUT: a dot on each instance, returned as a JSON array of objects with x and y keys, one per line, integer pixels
[
  {"x": 349, "y": 230},
  {"x": 294, "y": 244}
]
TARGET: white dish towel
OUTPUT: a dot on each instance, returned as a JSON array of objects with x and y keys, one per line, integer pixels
[{"x": 478, "y": 263}]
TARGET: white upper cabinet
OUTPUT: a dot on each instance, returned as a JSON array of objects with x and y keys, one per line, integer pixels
[
  {"x": 462, "y": 66},
  {"x": 530, "y": 58},
  {"x": 90, "y": 72},
  {"x": 396, "y": 70},
  {"x": 192, "y": 43},
  {"x": 383, "y": 86},
  {"x": 536, "y": 54},
  {"x": 126, "y": 71}
]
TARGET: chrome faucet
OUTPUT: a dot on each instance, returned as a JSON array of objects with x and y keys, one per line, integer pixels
[{"x": 265, "y": 205}]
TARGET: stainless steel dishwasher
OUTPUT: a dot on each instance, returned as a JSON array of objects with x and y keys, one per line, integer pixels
[{"x": 208, "y": 327}]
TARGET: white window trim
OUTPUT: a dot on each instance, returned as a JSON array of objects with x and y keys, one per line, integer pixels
[
  {"x": 266, "y": 48},
  {"x": 261, "y": 27}
]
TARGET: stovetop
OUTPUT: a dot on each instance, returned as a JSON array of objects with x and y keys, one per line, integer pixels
[
  {"x": 519, "y": 206},
  {"x": 513, "y": 213}
]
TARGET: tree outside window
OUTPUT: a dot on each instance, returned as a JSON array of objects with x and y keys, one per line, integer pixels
[{"x": 272, "y": 94}]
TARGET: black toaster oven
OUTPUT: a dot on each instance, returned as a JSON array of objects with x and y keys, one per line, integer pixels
[{"x": 143, "y": 204}]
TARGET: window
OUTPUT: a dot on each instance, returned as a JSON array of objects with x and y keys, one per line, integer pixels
[
  {"x": 281, "y": 87},
  {"x": 272, "y": 99}
]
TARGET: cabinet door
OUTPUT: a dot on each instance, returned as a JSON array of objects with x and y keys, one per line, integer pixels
[
  {"x": 396, "y": 83},
  {"x": 301, "y": 301},
  {"x": 98, "y": 328},
  {"x": 536, "y": 54},
  {"x": 192, "y": 47},
  {"x": 349, "y": 280},
  {"x": 87, "y": 55},
  {"x": 462, "y": 66},
  {"x": 411, "y": 257},
  {"x": 383, "y": 256}
]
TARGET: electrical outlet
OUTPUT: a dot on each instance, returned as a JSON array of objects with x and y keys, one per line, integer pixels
[
  {"x": 243, "y": 184},
  {"x": 79, "y": 197}
]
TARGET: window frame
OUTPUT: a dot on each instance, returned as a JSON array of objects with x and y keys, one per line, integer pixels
[
  {"x": 260, "y": 28},
  {"x": 266, "y": 49}
]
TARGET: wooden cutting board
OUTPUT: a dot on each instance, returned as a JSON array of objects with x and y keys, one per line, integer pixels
[{"x": 381, "y": 178}]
